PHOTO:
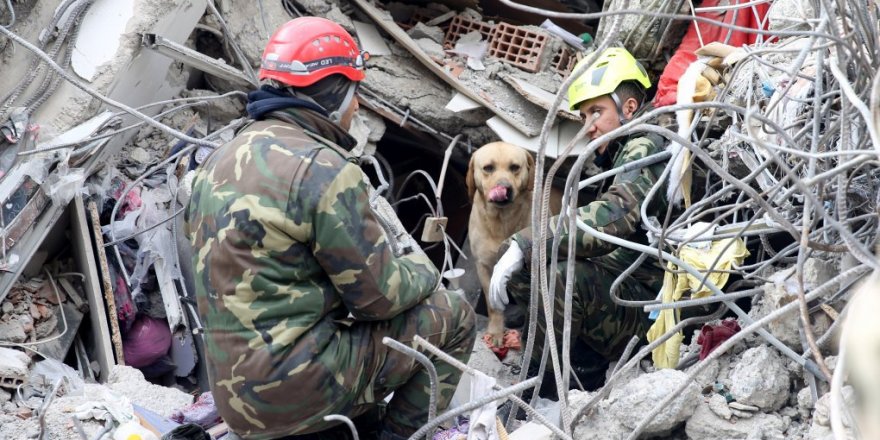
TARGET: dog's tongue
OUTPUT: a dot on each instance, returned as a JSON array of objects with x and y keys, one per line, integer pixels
[{"x": 498, "y": 194}]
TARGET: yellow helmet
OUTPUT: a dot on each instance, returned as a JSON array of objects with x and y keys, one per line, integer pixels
[{"x": 614, "y": 66}]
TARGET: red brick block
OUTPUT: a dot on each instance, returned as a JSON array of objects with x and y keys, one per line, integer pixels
[
  {"x": 461, "y": 25},
  {"x": 563, "y": 61},
  {"x": 518, "y": 46}
]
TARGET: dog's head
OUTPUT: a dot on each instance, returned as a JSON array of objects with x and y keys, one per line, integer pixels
[{"x": 500, "y": 172}]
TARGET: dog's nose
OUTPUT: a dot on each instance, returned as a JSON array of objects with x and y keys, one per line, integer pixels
[{"x": 501, "y": 192}]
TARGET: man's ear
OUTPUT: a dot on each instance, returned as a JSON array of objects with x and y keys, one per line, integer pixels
[
  {"x": 629, "y": 107},
  {"x": 469, "y": 179}
]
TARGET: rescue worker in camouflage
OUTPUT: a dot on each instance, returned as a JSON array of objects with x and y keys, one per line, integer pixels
[
  {"x": 607, "y": 95},
  {"x": 295, "y": 278}
]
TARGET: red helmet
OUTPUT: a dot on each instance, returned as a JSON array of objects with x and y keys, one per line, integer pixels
[{"x": 307, "y": 49}]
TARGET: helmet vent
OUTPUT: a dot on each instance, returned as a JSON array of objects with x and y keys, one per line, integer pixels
[{"x": 598, "y": 73}]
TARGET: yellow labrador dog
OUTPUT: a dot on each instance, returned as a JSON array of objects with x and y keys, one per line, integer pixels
[{"x": 499, "y": 180}]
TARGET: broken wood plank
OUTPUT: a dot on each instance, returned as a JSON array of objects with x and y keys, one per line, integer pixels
[
  {"x": 540, "y": 97},
  {"x": 384, "y": 20},
  {"x": 73, "y": 294},
  {"x": 98, "y": 239},
  {"x": 85, "y": 261}
]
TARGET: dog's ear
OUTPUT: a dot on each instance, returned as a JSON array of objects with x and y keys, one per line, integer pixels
[
  {"x": 469, "y": 179},
  {"x": 530, "y": 183}
]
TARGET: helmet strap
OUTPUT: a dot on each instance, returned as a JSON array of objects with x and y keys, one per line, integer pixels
[
  {"x": 623, "y": 119},
  {"x": 336, "y": 115}
]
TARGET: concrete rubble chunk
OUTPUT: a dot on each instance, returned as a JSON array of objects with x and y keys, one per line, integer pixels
[
  {"x": 130, "y": 382},
  {"x": 597, "y": 424},
  {"x": 760, "y": 379},
  {"x": 250, "y": 27},
  {"x": 743, "y": 407},
  {"x": 782, "y": 290},
  {"x": 13, "y": 364},
  {"x": 821, "y": 424},
  {"x": 718, "y": 405},
  {"x": 706, "y": 425},
  {"x": 336, "y": 15},
  {"x": 639, "y": 396},
  {"x": 225, "y": 109},
  {"x": 431, "y": 47},
  {"x": 790, "y": 15},
  {"x": 13, "y": 330},
  {"x": 420, "y": 30},
  {"x": 805, "y": 402}
]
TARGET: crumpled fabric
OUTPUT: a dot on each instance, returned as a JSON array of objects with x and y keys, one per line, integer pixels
[
  {"x": 510, "y": 341},
  {"x": 482, "y": 420},
  {"x": 458, "y": 432},
  {"x": 711, "y": 336},
  {"x": 202, "y": 412},
  {"x": 726, "y": 252}
]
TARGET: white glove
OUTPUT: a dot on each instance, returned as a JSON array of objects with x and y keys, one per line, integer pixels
[{"x": 510, "y": 262}]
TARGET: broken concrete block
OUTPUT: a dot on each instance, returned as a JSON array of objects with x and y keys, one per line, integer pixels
[
  {"x": 790, "y": 15},
  {"x": 13, "y": 364},
  {"x": 420, "y": 30},
  {"x": 718, "y": 405},
  {"x": 337, "y": 16},
  {"x": 431, "y": 47},
  {"x": 130, "y": 383},
  {"x": 760, "y": 379},
  {"x": 595, "y": 425},
  {"x": 705, "y": 425},
  {"x": 822, "y": 413},
  {"x": 250, "y": 27},
  {"x": 13, "y": 330},
  {"x": 4, "y": 396},
  {"x": 220, "y": 109},
  {"x": 805, "y": 402},
  {"x": 709, "y": 374},
  {"x": 531, "y": 431},
  {"x": 784, "y": 289},
  {"x": 639, "y": 397}
]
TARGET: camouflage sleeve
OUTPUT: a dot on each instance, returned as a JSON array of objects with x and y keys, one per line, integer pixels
[
  {"x": 615, "y": 213},
  {"x": 351, "y": 246}
]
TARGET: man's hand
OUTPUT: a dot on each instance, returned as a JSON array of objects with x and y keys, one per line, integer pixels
[{"x": 510, "y": 262}]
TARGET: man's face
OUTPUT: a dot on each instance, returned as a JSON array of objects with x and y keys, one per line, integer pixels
[{"x": 608, "y": 118}]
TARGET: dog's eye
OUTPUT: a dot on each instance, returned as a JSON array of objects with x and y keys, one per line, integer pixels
[
  {"x": 514, "y": 168},
  {"x": 489, "y": 168}
]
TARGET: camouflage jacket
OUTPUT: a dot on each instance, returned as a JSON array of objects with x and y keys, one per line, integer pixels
[
  {"x": 616, "y": 211},
  {"x": 286, "y": 252}
]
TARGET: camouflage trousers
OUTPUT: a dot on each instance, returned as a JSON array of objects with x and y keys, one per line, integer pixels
[
  {"x": 445, "y": 319},
  {"x": 596, "y": 319}
]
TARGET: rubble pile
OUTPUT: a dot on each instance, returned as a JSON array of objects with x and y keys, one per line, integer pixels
[{"x": 773, "y": 134}]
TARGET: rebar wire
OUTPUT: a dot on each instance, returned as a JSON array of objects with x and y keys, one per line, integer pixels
[
  {"x": 530, "y": 411},
  {"x": 346, "y": 420},
  {"x": 429, "y": 367},
  {"x": 645, "y": 351},
  {"x": 11, "y": 14},
  {"x": 194, "y": 101},
  {"x": 88, "y": 89},
  {"x": 728, "y": 344},
  {"x": 704, "y": 301},
  {"x": 474, "y": 404}
]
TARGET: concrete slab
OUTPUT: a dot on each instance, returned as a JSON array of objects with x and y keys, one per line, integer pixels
[
  {"x": 101, "y": 32},
  {"x": 370, "y": 39}
]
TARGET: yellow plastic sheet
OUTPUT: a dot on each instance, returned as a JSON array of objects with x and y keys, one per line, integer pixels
[{"x": 726, "y": 252}]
